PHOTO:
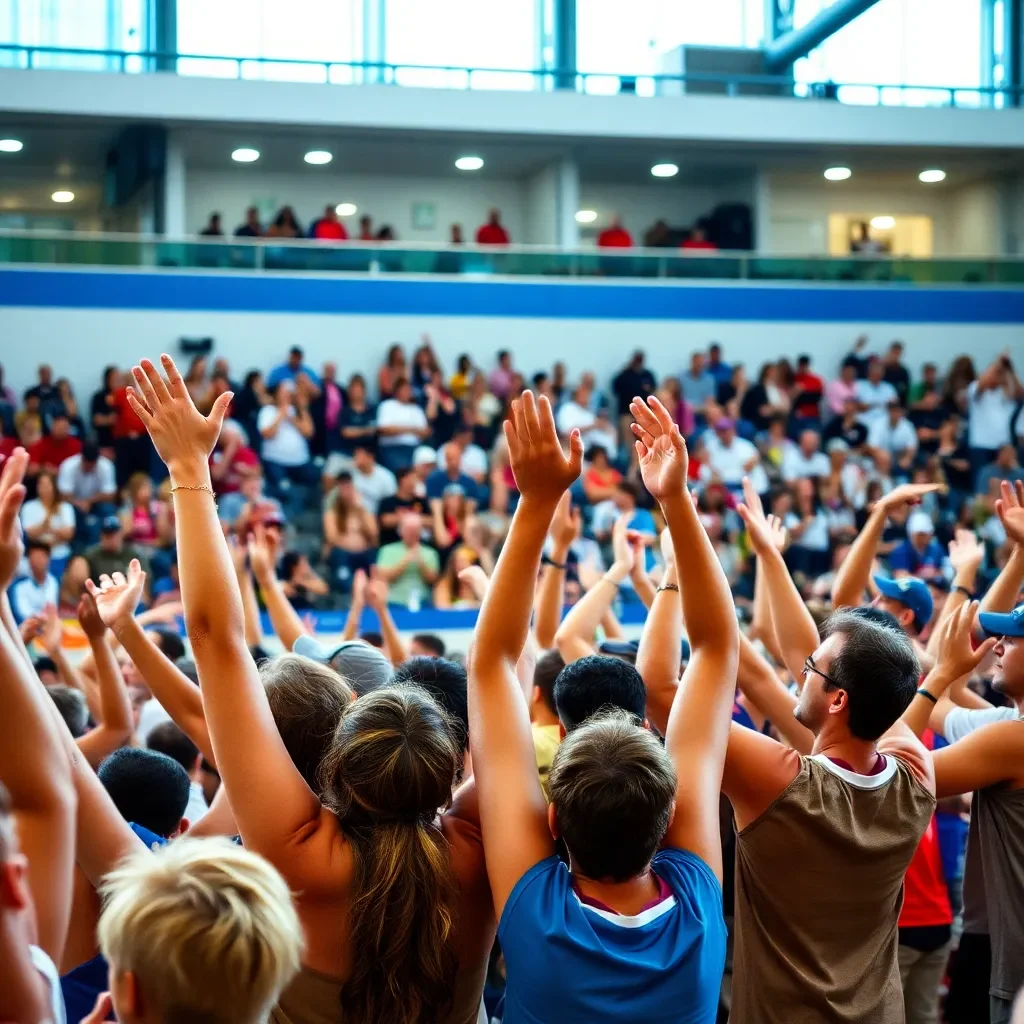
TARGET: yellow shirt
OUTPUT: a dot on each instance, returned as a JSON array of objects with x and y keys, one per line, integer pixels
[
  {"x": 545, "y": 742},
  {"x": 459, "y": 386}
]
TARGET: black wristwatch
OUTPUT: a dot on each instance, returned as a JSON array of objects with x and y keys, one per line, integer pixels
[
  {"x": 964, "y": 591},
  {"x": 546, "y": 560}
]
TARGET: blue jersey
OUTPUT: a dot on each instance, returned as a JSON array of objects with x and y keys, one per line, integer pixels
[{"x": 570, "y": 963}]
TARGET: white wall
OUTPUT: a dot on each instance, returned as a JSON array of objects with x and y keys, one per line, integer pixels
[
  {"x": 389, "y": 200},
  {"x": 78, "y": 342}
]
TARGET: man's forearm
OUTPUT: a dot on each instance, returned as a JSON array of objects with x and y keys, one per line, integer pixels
[
  {"x": 919, "y": 712},
  {"x": 550, "y": 598},
  {"x": 283, "y": 617},
  {"x": 1002, "y": 595},
  {"x": 795, "y": 631},
  {"x": 852, "y": 576}
]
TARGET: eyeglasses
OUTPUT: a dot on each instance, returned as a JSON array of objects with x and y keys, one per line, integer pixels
[{"x": 809, "y": 666}]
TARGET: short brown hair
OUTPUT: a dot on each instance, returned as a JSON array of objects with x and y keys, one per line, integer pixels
[{"x": 613, "y": 788}]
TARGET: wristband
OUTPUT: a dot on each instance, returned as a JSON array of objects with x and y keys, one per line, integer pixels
[
  {"x": 668, "y": 586},
  {"x": 963, "y": 590},
  {"x": 931, "y": 696},
  {"x": 545, "y": 560}
]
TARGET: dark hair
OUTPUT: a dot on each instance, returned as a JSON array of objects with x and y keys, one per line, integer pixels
[
  {"x": 44, "y": 664},
  {"x": 71, "y": 706},
  {"x": 613, "y": 788},
  {"x": 628, "y": 487},
  {"x": 594, "y": 683},
  {"x": 90, "y": 451},
  {"x": 445, "y": 681},
  {"x": 401, "y": 474},
  {"x": 148, "y": 789},
  {"x": 36, "y": 545},
  {"x": 167, "y": 738},
  {"x": 876, "y": 666},
  {"x": 373, "y": 638},
  {"x": 295, "y": 350},
  {"x": 171, "y": 645},
  {"x": 545, "y": 672},
  {"x": 597, "y": 451},
  {"x": 432, "y": 643}
]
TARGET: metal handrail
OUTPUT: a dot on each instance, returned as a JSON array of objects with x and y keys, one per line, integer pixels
[{"x": 165, "y": 60}]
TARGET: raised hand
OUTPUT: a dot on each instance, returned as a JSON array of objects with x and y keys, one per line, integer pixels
[
  {"x": 660, "y": 448},
  {"x": 1010, "y": 509},
  {"x": 117, "y": 597},
  {"x": 766, "y": 533},
  {"x": 477, "y": 580},
  {"x": 957, "y": 657},
  {"x": 263, "y": 551},
  {"x": 30, "y": 628},
  {"x": 966, "y": 552},
  {"x": 542, "y": 471},
  {"x": 12, "y": 494},
  {"x": 239, "y": 553},
  {"x": 51, "y": 636},
  {"x": 621, "y": 548},
  {"x": 181, "y": 433},
  {"x": 89, "y": 617},
  {"x": 376, "y": 592},
  {"x": 907, "y": 494},
  {"x": 565, "y": 527},
  {"x": 359, "y": 581}
]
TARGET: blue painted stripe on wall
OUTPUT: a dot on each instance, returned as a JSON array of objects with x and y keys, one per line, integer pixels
[{"x": 271, "y": 293}]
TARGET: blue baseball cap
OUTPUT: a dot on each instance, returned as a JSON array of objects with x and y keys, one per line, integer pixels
[
  {"x": 1003, "y": 623},
  {"x": 912, "y": 592}
]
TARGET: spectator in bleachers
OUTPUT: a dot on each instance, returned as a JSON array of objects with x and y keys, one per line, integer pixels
[
  {"x": 731, "y": 458},
  {"x": 70, "y": 405},
  {"x": 28, "y": 421},
  {"x": 145, "y": 520},
  {"x": 896, "y": 373},
  {"x": 326, "y": 412},
  {"x": 88, "y": 481},
  {"x": 409, "y": 567},
  {"x": 103, "y": 412},
  {"x": 47, "y": 395},
  {"x": 805, "y": 458},
  {"x": 50, "y": 519},
  {"x": 808, "y": 525},
  {"x": 954, "y": 456},
  {"x": 366, "y": 229},
  {"x": 248, "y": 401},
  {"x": 450, "y": 475},
  {"x": 286, "y": 428},
  {"x": 462, "y": 378},
  {"x": 455, "y": 235},
  {"x": 1005, "y": 467},
  {"x": 357, "y": 422},
  {"x": 501, "y": 378},
  {"x": 401, "y": 426},
  {"x": 632, "y": 380},
  {"x": 670, "y": 394},
  {"x": 991, "y": 401},
  {"x": 959, "y": 377},
  {"x": 241, "y": 509},
  {"x": 442, "y": 411},
  {"x": 292, "y": 370},
  {"x": 576, "y": 412},
  {"x": 299, "y": 581},
  {"x": 386, "y": 234},
  {"x": 232, "y": 460},
  {"x": 72, "y": 586},
  {"x": 698, "y": 387},
  {"x": 373, "y": 481},
  {"x": 720, "y": 370},
  {"x": 493, "y": 232},
  {"x": 874, "y": 393},
  {"x": 697, "y": 240},
  {"x": 451, "y": 515},
  {"x": 424, "y": 367},
  {"x": 112, "y": 553},
  {"x": 132, "y": 447},
  {"x": 894, "y": 434},
  {"x": 920, "y": 554},
  {"x": 615, "y": 236},
  {"x": 624, "y": 502},
  {"x": 808, "y": 392},
  {"x": 54, "y": 448},
  {"x": 197, "y": 381},
  {"x": 350, "y": 533},
  {"x": 405, "y": 501},
  {"x": 391, "y": 372},
  {"x": 766, "y": 399},
  {"x": 285, "y": 225},
  {"x": 32, "y": 594},
  {"x": 252, "y": 228},
  {"x": 473, "y": 461},
  {"x": 451, "y": 591},
  {"x": 843, "y": 389},
  {"x": 600, "y": 478},
  {"x": 213, "y": 227},
  {"x": 8, "y": 396},
  {"x": 329, "y": 227},
  {"x": 926, "y": 409}
]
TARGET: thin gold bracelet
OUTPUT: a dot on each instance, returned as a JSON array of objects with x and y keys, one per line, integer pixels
[{"x": 196, "y": 487}]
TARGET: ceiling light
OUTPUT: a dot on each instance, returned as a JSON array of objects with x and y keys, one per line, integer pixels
[
  {"x": 837, "y": 173},
  {"x": 63, "y": 196},
  {"x": 883, "y": 223},
  {"x": 469, "y": 163},
  {"x": 586, "y": 216},
  {"x": 11, "y": 145},
  {"x": 932, "y": 176},
  {"x": 318, "y": 156},
  {"x": 345, "y": 209},
  {"x": 245, "y": 155},
  {"x": 664, "y": 170}
]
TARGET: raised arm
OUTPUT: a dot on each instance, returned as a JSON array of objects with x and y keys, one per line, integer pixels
[
  {"x": 698, "y": 725},
  {"x": 966, "y": 554},
  {"x": 659, "y": 656},
  {"x": 33, "y": 766},
  {"x": 550, "y": 599},
  {"x": 513, "y": 811},
  {"x": 250, "y": 605},
  {"x": 989, "y": 755},
  {"x": 377, "y": 599},
  {"x": 1003, "y": 593},
  {"x": 284, "y": 619},
  {"x": 251, "y": 756},
  {"x": 764, "y": 689}
]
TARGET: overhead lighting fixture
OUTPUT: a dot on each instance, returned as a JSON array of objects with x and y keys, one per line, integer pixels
[
  {"x": 883, "y": 223},
  {"x": 469, "y": 163},
  {"x": 11, "y": 145},
  {"x": 245, "y": 155},
  {"x": 664, "y": 170},
  {"x": 63, "y": 196},
  {"x": 837, "y": 173},
  {"x": 318, "y": 156},
  {"x": 586, "y": 216},
  {"x": 932, "y": 176},
  {"x": 345, "y": 209}
]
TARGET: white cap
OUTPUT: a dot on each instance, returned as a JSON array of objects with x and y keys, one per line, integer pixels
[
  {"x": 424, "y": 456},
  {"x": 920, "y": 522}
]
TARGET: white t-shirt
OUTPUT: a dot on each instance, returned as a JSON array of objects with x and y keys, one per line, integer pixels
[
  {"x": 572, "y": 416},
  {"x": 796, "y": 465},
  {"x": 75, "y": 482},
  {"x": 197, "y": 806},
  {"x": 815, "y": 537},
  {"x": 474, "y": 460},
  {"x": 877, "y": 397},
  {"x": 392, "y": 413},
  {"x": 287, "y": 447},
  {"x": 45, "y": 966},
  {"x": 30, "y": 598},
  {"x": 34, "y": 512},
  {"x": 893, "y": 439},
  {"x": 729, "y": 462},
  {"x": 961, "y": 722},
  {"x": 374, "y": 487},
  {"x": 988, "y": 417},
  {"x": 598, "y": 438}
]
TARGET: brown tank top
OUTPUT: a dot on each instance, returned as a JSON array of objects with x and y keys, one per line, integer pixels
[{"x": 819, "y": 886}]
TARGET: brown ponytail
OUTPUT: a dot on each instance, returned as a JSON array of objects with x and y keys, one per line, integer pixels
[{"x": 392, "y": 765}]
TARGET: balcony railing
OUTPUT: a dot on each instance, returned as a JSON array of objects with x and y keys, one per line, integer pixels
[
  {"x": 271, "y": 256},
  {"x": 15, "y": 55}
]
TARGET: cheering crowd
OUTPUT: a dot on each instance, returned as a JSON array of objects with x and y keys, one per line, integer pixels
[{"x": 369, "y": 831}]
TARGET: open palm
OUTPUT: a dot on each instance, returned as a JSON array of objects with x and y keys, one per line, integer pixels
[
  {"x": 660, "y": 448},
  {"x": 1010, "y": 508},
  {"x": 117, "y": 597}
]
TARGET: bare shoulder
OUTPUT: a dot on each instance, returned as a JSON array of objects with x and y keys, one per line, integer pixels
[{"x": 914, "y": 755}]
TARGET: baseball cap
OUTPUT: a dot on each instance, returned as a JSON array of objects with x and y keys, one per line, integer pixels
[
  {"x": 424, "y": 456},
  {"x": 910, "y": 591},
  {"x": 628, "y": 649},
  {"x": 1003, "y": 623},
  {"x": 920, "y": 522},
  {"x": 837, "y": 444},
  {"x": 362, "y": 666},
  {"x": 111, "y": 524}
]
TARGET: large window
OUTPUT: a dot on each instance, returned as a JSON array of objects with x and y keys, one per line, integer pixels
[
  {"x": 288, "y": 31},
  {"x": 903, "y": 43},
  {"x": 499, "y": 34}
]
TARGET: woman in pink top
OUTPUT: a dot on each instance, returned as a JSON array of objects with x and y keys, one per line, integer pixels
[
  {"x": 839, "y": 392},
  {"x": 143, "y": 517}
]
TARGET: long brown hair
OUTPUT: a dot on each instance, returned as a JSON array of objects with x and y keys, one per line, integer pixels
[{"x": 391, "y": 767}]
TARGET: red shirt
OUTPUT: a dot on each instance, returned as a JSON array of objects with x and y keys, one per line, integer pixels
[
  {"x": 693, "y": 243},
  {"x": 244, "y": 458},
  {"x": 332, "y": 230},
  {"x": 49, "y": 451},
  {"x": 7, "y": 446},
  {"x": 615, "y": 238},
  {"x": 925, "y": 896},
  {"x": 811, "y": 384},
  {"x": 127, "y": 423},
  {"x": 492, "y": 234}
]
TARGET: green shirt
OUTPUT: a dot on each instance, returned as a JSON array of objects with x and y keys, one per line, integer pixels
[{"x": 411, "y": 582}]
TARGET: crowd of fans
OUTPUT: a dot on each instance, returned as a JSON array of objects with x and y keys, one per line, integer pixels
[{"x": 364, "y": 781}]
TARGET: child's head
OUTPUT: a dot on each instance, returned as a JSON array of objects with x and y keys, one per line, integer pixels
[
  {"x": 201, "y": 930},
  {"x": 613, "y": 791},
  {"x": 148, "y": 789}
]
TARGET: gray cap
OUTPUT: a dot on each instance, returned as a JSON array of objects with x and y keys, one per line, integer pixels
[{"x": 363, "y": 667}]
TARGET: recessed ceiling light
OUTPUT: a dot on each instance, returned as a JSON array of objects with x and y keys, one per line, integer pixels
[
  {"x": 318, "y": 156},
  {"x": 883, "y": 223},
  {"x": 63, "y": 196},
  {"x": 664, "y": 170},
  {"x": 345, "y": 209},
  {"x": 245, "y": 155},
  {"x": 469, "y": 163},
  {"x": 837, "y": 173},
  {"x": 932, "y": 176},
  {"x": 586, "y": 216},
  {"x": 11, "y": 145}
]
